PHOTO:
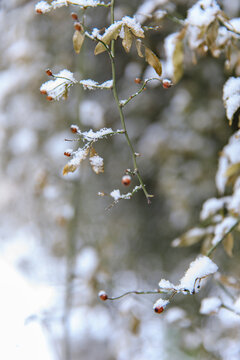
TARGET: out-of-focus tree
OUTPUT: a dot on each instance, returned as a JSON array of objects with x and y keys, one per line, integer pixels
[{"x": 56, "y": 230}]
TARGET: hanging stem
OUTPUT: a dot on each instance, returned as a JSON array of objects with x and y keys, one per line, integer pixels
[{"x": 111, "y": 54}]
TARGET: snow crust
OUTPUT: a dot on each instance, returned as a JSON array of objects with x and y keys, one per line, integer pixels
[{"x": 223, "y": 228}]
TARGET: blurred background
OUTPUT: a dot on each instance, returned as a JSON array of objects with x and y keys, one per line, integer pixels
[{"x": 59, "y": 246}]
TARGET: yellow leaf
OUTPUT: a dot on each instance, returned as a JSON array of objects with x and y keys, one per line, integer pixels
[
  {"x": 139, "y": 47},
  {"x": 228, "y": 243},
  {"x": 233, "y": 170},
  {"x": 110, "y": 34},
  {"x": 69, "y": 168},
  {"x": 153, "y": 61},
  {"x": 96, "y": 161},
  {"x": 78, "y": 39},
  {"x": 177, "y": 60},
  {"x": 127, "y": 40}
]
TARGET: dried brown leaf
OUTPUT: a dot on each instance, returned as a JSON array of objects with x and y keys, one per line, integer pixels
[
  {"x": 228, "y": 244},
  {"x": 153, "y": 61},
  {"x": 78, "y": 39},
  {"x": 127, "y": 40},
  {"x": 69, "y": 168},
  {"x": 178, "y": 60},
  {"x": 110, "y": 34},
  {"x": 139, "y": 47}
]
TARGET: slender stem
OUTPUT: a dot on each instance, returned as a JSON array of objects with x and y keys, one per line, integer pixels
[
  {"x": 137, "y": 293},
  {"x": 230, "y": 309},
  {"x": 228, "y": 232},
  {"x": 115, "y": 94},
  {"x": 123, "y": 103}
]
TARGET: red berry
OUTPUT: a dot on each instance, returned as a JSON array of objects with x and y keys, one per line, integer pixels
[
  {"x": 38, "y": 11},
  {"x": 43, "y": 92},
  {"x": 77, "y": 26},
  {"x": 159, "y": 309},
  {"x": 49, "y": 98},
  {"x": 166, "y": 83},
  {"x": 74, "y": 16},
  {"x": 74, "y": 128},
  {"x": 102, "y": 295},
  {"x": 67, "y": 153},
  {"x": 126, "y": 180},
  {"x": 138, "y": 81},
  {"x": 49, "y": 72}
]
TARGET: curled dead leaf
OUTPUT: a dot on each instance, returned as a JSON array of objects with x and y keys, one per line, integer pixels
[{"x": 153, "y": 61}]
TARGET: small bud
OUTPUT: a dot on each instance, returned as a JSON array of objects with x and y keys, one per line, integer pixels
[
  {"x": 49, "y": 72},
  {"x": 39, "y": 11},
  {"x": 49, "y": 98},
  {"x": 74, "y": 16},
  {"x": 74, "y": 128},
  {"x": 44, "y": 92},
  {"x": 138, "y": 81},
  {"x": 166, "y": 83},
  {"x": 77, "y": 26},
  {"x": 126, "y": 180},
  {"x": 102, "y": 295}
]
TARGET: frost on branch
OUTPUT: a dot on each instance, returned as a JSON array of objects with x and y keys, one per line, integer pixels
[
  {"x": 231, "y": 97},
  {"x": 89, "y": 137},
  {"x": 57, "y": 88},
  {"x": 93, "y": 85},
  {"x": 116, "y": 195},
  {"x": 200, "y": 268},
  {"x": 43, "y": 6}
]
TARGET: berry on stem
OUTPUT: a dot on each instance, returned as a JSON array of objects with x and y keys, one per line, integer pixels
[
  {"x": 102, "y": 295},
  {"x": 126, "y": 180},
  {"x": 49, "y": 72},
  {"x": 166, "y": 83}
]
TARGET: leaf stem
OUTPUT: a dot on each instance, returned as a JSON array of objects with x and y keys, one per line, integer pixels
[{"x": 135, "y": 292}]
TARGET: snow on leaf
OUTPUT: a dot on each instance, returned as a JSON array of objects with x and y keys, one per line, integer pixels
[
  {"x": 133, "y": 25},
  {"x": 111, "y": 33},
  {"x": 93, "y": 85},
  {"x": 223, "y": 228},
  {"x": 231, "y": 97},
  {"x": 96, "y": 161},
  {"x": 200, "y": 268},
  {"x": 57, "y": 88},
  {"x": 74, "y": 163},
  {"x": 210, "y": 305},
  {"x": 153, "y": 61},
  {"x": 213, "y": 205},
  {"x": 192, "y": 236},
  {"x": 203, "y": 13}
]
